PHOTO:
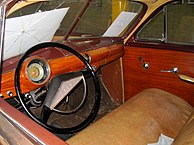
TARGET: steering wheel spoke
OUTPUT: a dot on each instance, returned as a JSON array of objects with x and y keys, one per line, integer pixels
[
  {"x": 59, "y": 89},
  {"x": 45, "y": 114}
]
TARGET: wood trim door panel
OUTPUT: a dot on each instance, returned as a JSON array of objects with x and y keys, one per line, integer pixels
[{"x": 138, "y": 78}]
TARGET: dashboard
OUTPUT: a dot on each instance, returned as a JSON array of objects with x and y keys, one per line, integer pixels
[{"x": 46, "y": 63}]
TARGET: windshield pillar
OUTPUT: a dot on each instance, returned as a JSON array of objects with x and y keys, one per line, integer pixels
[{"x": 2, "y": 26}]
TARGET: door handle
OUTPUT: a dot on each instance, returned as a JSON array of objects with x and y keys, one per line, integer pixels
[
  {"x": 186, "y": 78},
  {"x": 174, "y": 70}
]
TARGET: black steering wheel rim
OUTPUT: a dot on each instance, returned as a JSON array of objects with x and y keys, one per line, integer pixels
[{"x": 96, "y": 104}]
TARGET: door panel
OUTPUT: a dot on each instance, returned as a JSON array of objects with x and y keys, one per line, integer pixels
[{"x": 137, "y": 78}]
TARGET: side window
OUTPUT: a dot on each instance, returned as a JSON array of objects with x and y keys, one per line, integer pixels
[
  {"x": 154, "y": 29},
  {"x": 174, "y": 24},
  {"x": 180, "y": 23}
]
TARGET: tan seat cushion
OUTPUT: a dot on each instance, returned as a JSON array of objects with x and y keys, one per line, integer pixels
[
  {"x": 139, "y": 121},
  {"x": 186, "y": 135}
]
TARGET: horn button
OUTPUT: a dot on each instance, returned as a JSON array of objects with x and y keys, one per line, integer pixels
[{"x": 38, "y": 70}]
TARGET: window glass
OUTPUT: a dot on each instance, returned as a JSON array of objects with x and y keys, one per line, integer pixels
[
  {"x": 98, "y": 18},
  {"x": 180, "y": 24},
  {"x": 174, "y": 24},
  {"x": 46, "y": 21},
  {"x": 43, "y": 21},
  {"x": 154, "y": 29},
  {"x": 74, "y": 9}
]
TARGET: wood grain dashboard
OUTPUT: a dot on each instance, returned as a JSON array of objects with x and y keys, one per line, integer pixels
[{"x": 59, "y": 65}]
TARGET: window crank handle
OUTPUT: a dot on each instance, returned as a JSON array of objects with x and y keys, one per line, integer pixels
[{"x": 144, "y": 64}]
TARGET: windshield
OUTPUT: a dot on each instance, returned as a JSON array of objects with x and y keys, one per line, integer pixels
[
  {"x": 74, "y": 7},
  {"x": 43, "y": 21},
  {"x": 56, "y": 20},
  {"x": 101, "y": 18},
  {"x": 107, "y": 18}
]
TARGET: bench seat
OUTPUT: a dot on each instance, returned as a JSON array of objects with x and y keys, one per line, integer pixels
[{"x": 141, "y": 120}]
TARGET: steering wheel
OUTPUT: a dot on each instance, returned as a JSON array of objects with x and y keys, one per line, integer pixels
[{"x": 46, "y": 111}]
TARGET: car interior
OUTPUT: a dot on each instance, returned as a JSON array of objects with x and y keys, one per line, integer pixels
[{"x": 90, "y": 87}]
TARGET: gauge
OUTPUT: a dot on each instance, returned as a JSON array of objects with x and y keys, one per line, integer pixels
[{"x": 38, "y": 70}]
